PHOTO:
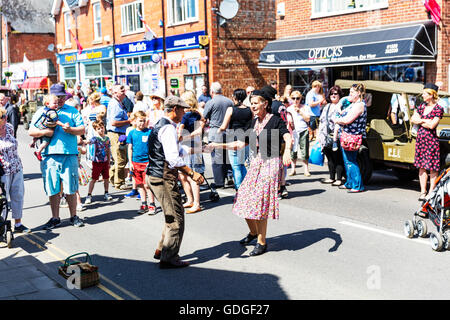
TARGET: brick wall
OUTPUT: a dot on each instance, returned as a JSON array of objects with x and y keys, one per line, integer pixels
[
  {"x": 236, "y": 47},
  {"x": 298, "y": 22}
]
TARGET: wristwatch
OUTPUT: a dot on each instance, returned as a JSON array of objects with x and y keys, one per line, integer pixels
[{"x": 191, "y": 174}]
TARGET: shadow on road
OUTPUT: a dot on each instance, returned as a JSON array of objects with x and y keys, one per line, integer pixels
[{"x": 292, "y": 242}]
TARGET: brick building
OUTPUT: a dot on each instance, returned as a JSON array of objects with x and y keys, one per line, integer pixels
[
  {"x": 118, "y": 47},
  {"x": 358, "y": 40},
  {"x": 31, "y": 36}
]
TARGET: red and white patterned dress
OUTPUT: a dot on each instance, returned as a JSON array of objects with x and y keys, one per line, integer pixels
[
  {"x": 257, "y": 197},
  {"x": 427, "y": 142}
]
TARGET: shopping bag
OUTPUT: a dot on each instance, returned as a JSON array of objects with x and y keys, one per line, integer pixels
[
  {"x": 316, "y": 156},
  {"x": 83, "y": 175}
]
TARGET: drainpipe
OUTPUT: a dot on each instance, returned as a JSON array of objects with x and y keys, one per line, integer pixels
[{"x": 164, "y": 46}]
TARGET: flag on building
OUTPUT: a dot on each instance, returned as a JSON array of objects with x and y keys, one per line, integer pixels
[
  {"x": 80, "y": 48},
  {"x": 434, "y": 10},
  {"x": 149, "y": 34}
]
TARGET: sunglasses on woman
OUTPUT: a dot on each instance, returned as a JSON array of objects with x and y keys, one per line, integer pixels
[{"x": 296, "y": 98}]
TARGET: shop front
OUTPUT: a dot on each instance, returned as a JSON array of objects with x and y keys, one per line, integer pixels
[
  {"x": 390, "y": 53},
  {"x": 141, "y": 65},
  {"x": 93, "y": 67}
]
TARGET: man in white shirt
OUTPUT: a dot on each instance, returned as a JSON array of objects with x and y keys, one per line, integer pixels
[{"x": 165, "y": 160}]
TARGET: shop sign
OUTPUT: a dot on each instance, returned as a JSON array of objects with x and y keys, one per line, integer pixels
[
  {"x": 86, "y": 55},
  {"x": 173, "y": 43},
  {"x": 174, "y": 83}
]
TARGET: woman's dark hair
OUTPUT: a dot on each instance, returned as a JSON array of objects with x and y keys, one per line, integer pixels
[
  {"x": 240, "y": 95},
  {"x": 334, "y": 89}
]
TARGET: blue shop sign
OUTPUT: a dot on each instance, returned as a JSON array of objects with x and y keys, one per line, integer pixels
[
  {"x": 85, "y": 56},
  {"x": 173, "y": 43}
]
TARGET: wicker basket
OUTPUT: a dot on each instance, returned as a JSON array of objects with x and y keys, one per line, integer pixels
[{"x": 88, "y": 273}]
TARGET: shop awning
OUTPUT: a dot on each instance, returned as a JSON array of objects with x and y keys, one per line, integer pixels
[
  {"x": 35, "y": 83},
  {"x": 395, "y": 43}
]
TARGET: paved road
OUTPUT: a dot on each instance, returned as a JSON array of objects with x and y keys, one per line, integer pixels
[{"x": 327, "y": 244}]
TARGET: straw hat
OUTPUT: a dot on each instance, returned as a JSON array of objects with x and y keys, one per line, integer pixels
[{"x": 157, "y": 94}]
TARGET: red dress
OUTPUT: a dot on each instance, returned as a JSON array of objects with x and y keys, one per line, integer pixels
[{"x": 427, "y": 142}]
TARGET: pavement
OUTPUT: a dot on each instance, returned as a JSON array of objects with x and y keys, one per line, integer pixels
[{"x": 23, "y": 277}]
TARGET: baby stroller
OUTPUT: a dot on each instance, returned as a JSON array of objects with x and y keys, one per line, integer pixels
[
  {"x": 435, "y": 207},
  {"x": 6, "y": 234}
]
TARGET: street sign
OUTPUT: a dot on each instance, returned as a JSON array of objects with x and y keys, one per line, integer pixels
[{"x": 174, "y": 83}]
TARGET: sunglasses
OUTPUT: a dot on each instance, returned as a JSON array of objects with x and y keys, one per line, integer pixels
[
  {"x": 296, "y": 98},
  {"x": 3, "y": 117},
  {"x": 334, "y": 94}
]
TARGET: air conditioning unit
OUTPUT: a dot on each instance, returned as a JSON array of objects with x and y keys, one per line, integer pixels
[
  {"x": 59, "y": 46},
  {"x": 107, "y": 38}
]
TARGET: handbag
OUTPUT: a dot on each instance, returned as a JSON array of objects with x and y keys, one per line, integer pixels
[
  {"x": 350, "y": 142},
  {"x": 328, "y": 143}
]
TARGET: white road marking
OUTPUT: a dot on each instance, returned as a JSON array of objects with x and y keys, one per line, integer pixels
[{"x": 391, "y": 234}]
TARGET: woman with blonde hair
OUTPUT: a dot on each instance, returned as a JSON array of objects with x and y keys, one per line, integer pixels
[
  {"x": 427, "y": 157},
  {"x": 315, "y": 99},
  {"x": 287, "y": 93},
  {"x": 190, "y": 130},
  {"x": 93, "y": 111}
]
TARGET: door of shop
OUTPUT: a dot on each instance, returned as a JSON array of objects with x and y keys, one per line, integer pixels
[{"x": 131, "y": 80}]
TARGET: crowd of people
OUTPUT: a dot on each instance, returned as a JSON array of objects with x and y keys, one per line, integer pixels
[{"x": 254, "y": 140}]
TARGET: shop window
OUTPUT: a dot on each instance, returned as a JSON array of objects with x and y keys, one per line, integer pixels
[
  {"x": 194, "y": 83},
  {"x": 301, "y": 79},
  {"x": 322, "y": 8},
  {"x": 70, "y": 73},
  {"x": 92, "y": 70},
  {"x": 107, "y": 69},
  {"x": 182, "y": 11},
  {"x": 96, "y": 8},
  {"x": 130, "y": 18}
]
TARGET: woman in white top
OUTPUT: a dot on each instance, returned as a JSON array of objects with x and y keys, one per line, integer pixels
[{"x": 301, "y": 116}]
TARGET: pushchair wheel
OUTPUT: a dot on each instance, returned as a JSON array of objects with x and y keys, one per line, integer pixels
[
  {"x": 436, "y": 241},
  {"x": 214, "y": 196},
  {"x": 408, "y": 229},
  {"x": 9, "y": 239},
  {"x": 422, "y": 228}
]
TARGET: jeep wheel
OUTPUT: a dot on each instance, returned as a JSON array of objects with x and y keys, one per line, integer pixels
[
  {"x": 365, "y": 165},
  {"x": 406, "y": 175}
]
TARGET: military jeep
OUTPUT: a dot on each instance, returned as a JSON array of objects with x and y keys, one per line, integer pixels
[
  {"x": 28, "y": 109},
  {"x": 390, "y": 141}
]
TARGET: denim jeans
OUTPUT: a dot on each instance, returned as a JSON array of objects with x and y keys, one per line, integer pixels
[
  {"x": 237, "y": 161},
  {"x": 354, "y": 179}
]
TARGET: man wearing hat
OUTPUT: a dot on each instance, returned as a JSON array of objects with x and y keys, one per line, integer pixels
[
  {"x": 165, "y": 160},
  {"x": 59, "y": 165},
  {"x": 104, "y": 100}
]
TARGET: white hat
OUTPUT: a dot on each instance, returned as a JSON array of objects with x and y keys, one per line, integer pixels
[{"x": 158, "y": 94}]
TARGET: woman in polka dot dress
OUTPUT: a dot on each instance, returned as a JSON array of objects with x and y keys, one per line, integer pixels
[{"x": 427, "y": 157}]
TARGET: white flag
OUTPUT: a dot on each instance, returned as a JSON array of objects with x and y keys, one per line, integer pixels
[{"x": 26, "y": 64}]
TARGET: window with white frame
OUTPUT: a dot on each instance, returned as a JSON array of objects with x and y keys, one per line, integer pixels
[
  {"x": 67, "y": 26},
  {"x": 131, "y": 22},
  {"x": 96, "y": 8},
  {"x": 182, "y": 11},
  {"x": 322, "y": 8}
]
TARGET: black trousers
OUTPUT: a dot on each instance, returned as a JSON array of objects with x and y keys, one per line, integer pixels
[{"x": 335, "y": 163}]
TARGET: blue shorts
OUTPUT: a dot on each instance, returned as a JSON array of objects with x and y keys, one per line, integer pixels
[{"x": 60, "y": 170}]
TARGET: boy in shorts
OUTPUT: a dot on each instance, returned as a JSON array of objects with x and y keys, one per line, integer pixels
[
  {"x": 137, "y": 140},
  {"x": 100, "y": 159},
  {"x": 49, "y": 119}
]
